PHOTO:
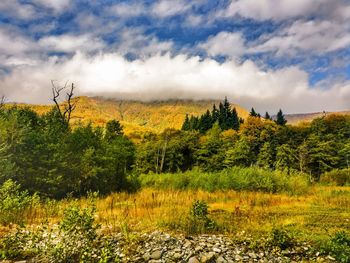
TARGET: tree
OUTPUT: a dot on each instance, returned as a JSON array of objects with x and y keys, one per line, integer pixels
[
  {"x": 253, "y": 113},
  {"x": 266, "y": 156},
  {"x": 113, "y": 130},
  {"x": 186, "y": 126},
  {"x": 205, "y": 122},
  {"x": 280, "y": 120},
  {"x": 240, "y": 154},
  {"x": 69, "y": 107},
  {"x": 286, "y": 159},
  {"x": 267, "y": 116}
]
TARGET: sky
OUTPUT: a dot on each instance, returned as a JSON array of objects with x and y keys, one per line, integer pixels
[{"x": 266, "y": 54}]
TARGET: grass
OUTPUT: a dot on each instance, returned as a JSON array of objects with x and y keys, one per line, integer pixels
[
  {"x": 315, "y": 215},
  {"x": 236, "y": 178}
]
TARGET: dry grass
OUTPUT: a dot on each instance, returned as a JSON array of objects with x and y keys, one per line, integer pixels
[{"x": 323, "y": 211}]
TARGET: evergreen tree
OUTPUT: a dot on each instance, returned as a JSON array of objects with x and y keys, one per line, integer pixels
[
  {"x": 253, "y": 113},
  {"x": 205, "y": 122},
  {"x": 280, "y": 120},
  {"x": 186, "y": 126},
  {"x": 267, "y": 116},
  {"x": 214, "y": 114},
  {"x": 234, "y": 120}
]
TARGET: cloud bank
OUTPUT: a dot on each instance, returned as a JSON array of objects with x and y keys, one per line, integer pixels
[
  {"x": 267, "y": 54},
  {"x": 164, "y": 76}
]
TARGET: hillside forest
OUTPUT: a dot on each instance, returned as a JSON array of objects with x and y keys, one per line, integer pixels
[{"x": 46, "y": 155}]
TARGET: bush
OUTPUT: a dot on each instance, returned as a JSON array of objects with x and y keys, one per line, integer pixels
[
  {"x": 198, "y": 221},
  {"x": 338, "y": 246},
  {"x": 337, "y": 177},
  {"x": 14, "y": 203},
  {"x": 282, "y": 238},
  {"x": 236, "y": 178}
]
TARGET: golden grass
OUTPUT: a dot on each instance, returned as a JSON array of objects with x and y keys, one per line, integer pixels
[{"x": 323, "y": 211}]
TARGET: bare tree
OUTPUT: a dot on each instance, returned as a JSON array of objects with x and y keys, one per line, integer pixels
[
  {"x": 2, "y": 101},
  {"x": 69, "y": 106}
]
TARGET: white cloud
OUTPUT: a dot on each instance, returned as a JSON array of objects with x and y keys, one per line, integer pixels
[
  {"x": 165, "y": 8},
  {"x": 272, "y": 9},
  {"x": 164, "y": 77},
  {"x": 126, "y": 9},
  {"x": 225, "y": 44},
  {"x": 70, "y": 43},
  {"x": 318, "y": 36}
]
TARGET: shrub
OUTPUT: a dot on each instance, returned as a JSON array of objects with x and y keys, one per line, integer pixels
[
  {"x": 338, "y": 246},
  {"x": 282, "y": 238},
  {"x": 14, "y": 203},
  {"x": 337, "y": 177},
  {"x": 198, "y": 221}
]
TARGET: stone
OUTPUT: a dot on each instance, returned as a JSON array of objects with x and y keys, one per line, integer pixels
[
  {"x": 177, "y": 256},
  {"x": 221, "y": 260},
  {"x": 193, "y": 260},
  {"x": 207, "y": 257},
  {"x": 157, "y": 254},
  {"x": 217, "y": 250},
  {"x": 146, "y": 256}
]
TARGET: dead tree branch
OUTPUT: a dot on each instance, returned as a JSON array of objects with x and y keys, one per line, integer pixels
[{"x": 69, "y": 106}]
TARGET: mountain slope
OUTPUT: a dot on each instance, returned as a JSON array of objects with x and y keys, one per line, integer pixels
[
  {"x": 137, "y": 116},
  {"x": 308, "y": 117}
]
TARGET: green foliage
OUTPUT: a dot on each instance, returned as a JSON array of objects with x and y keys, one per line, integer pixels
[
  {"x": 282, "y": 238},
  {"x": 339, "y": 177},
  {"x": 235, "y": 178},
  {"x": 338, "y": 246},
  {"x": 14, "y": 203},
  {"x": 199, "y": 222},
  {"x": 225, "y": 116}
]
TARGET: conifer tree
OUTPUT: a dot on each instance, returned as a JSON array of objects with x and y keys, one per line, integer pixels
[
  {"x": 205, "y": 122},
  {"x": 267, "y": 116},
  {"x": 186, "y": 124},
  {"x": 280, "y": 120},
  {"x": 253, "y": 113}
]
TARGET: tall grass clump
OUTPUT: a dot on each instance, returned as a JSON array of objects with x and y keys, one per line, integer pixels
[
  {"x": 235, "y": 178},
  {"x": 340, "y": 177}
]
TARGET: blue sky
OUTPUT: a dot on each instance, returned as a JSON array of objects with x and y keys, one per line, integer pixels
[{"x": 289, "y": 54}]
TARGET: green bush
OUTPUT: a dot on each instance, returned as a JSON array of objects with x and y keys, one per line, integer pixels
[
  {"x": 198, "y": 221},
  {"x": 337, "y": 177},
  {"x": 282, "y": 238},
  {"x": 236, "y": 178},
  {"x": 338, "y": 246},
  {"x": 14, "y": 203}
]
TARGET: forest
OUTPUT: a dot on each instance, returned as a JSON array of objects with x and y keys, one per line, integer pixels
[{"x": 46, "y": 155}]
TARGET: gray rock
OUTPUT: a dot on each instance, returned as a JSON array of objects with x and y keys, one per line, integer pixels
[{"x": 217, "y": 250}]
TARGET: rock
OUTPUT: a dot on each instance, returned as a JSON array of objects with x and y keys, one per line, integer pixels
[
  {"x": 331, "y": 258},
  {"x": 146, "y": 256},
  {"x": 207, "y": 257},
  {"x": 217, "y": 250},
  {"x": 238, "y": 258},
  {"x": 193, "y": 260},
  {"x": 177, "y": 256},
  {"x": 221, "y": 260},
  {"x": 252, "y": 255},
  {"x": 157, "y": 254}
]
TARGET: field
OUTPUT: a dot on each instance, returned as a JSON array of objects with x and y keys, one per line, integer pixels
[{"x": 321, "y": 212}]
